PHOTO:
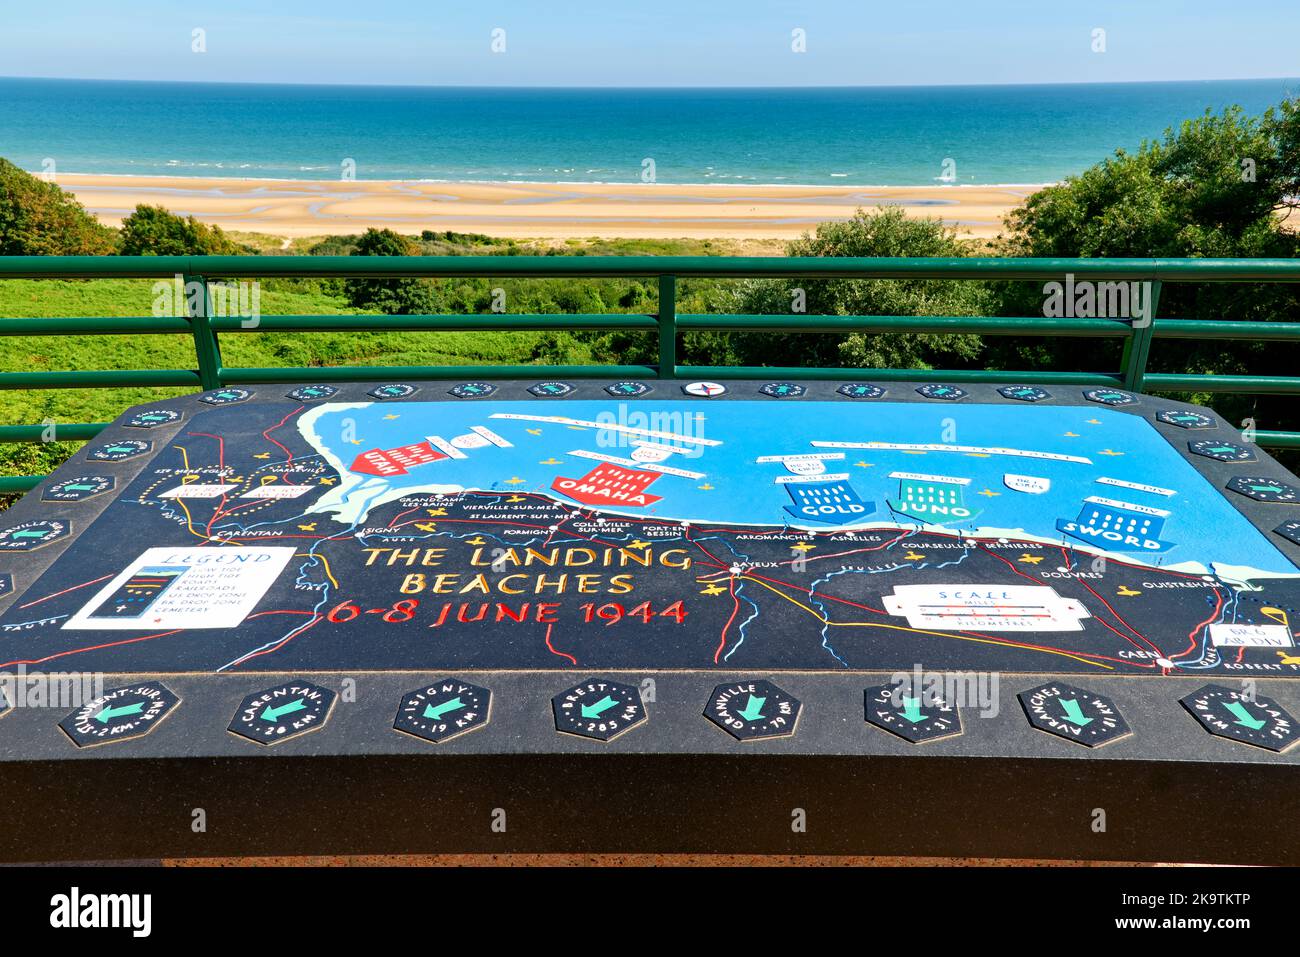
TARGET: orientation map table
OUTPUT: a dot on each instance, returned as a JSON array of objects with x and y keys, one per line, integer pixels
[{"x": 820, "y": 617}]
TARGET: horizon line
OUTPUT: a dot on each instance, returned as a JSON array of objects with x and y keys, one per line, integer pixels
[{"x": 541, "y": 86}]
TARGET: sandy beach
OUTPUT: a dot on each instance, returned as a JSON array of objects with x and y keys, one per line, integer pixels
[{"x": 293, "y": 208}]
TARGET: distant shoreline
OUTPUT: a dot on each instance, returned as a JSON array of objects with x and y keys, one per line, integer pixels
[
  {"x": 522, "y": 209},
  {"x": 549, "y": 182}
]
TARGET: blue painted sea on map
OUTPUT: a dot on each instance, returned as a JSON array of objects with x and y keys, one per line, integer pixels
[{"x": 1091, "y": 478}]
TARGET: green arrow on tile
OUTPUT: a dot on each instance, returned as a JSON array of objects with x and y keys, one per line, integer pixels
[
  {"x": 599, "y": 708},
  {"x": 1266, "y": 488},
  {"x": 753, "y": 709},
  {"x": 1073, "y": 713},
  {"x": 79, "y": 488},
  {"x": 28, "y": 533},
  {"x": 1243, "y": 716},
  {"x": 274, "y": 714},
  {"x": 108, "y": 714},
  {"x": 455, "y": 704},
  {"x": 912, "y": 710}
]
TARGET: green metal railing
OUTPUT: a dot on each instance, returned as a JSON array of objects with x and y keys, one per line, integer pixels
[{"x": 210, "y": 372}]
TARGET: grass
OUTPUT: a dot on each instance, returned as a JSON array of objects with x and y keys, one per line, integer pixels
[{"x": 130, "y": 297}]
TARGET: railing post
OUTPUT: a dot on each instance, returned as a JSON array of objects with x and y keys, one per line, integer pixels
[
  {"x": 667, "y": 327},
  {"x": 1137, "y": 347},
  {"x": 206, "y": 349}
]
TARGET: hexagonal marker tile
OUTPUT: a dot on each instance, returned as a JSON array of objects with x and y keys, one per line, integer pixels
[
  {"x": 1110, "y": 396},
  {"x": 312, "y": 393},
  {"x": 704, "y": 390},
  {"x": 1075, "y": 714},
  {"x": 78, "y": 489},
  {"x": 26, "y": 536},
  {"x": 1221, "y": 451},
  {"x": 1288, "y": 530},
  {"x": 860, "y": 390},
  {"x": 1264, "y": 489},
  {"x": 152, "y": 418},
  {"x": 1185, "y": 419},
  {"x": 783, "y": 390},
  {"x": 598, "y": 708},
  {"x": 131, "y": 711},
  {"x": 227, "y": 396},
  {"x": 627, "y": 389},
  {"x": 936, "y": 390},
  {"x": 1024, "y": 393},
  {"x": 472, "y": 390},
  {"x": 392, "y": 390},
  {"x": 914, "y": 717},
  {"x": 750, "y": 710},
  {"x": 443, "y": 710},
  {"x": 550, "y": 390},
  {"x": 1233, "y": 714},
  {"x": 118, "y": 451},
  {"x": 286, "y": 711}
]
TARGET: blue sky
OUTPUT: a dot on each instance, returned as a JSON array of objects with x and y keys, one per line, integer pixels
[{"x": 652, "y": 42}]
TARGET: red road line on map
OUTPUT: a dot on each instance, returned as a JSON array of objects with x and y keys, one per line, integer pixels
[
  {"x": 93, "y": 581},
  {"x": 1101, "y": 621},
  {"x": 266, "y": 435},
  {"x": 77, "y": 651},
  {"x": 550, "y": 647},
  {"x": 221, "y": 464},
  {"x": 957, "y": 634},
  {"x": 1191, "y": 636}
]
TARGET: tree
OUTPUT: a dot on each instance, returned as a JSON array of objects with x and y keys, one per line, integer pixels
[
  {"x": 878, "y": 232},
  {"x": 39, "y": 219},
  {"x": 1211, "y": 188},
  {"x": 153, "y": 231},
  {"x": 390, "y": 296}
]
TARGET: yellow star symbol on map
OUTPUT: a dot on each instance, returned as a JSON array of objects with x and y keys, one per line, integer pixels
[
  {"x": 865, "y": 465},
  {"x": 1109, "y": 452},
  {"x": 989, "y": 493},
  {"x": 803, "y": 547},
  {"x": 1127, "y": 592},
  {"x": 476, "y": 540},
  {"x": 392, "y": 415},
  {"x": 327, "y": 481},
  {"x": 310, "y": 527},
  {"x": 1094, "y": 422},
  {"x": 533, "y": 431},
  {"x": 551, "y": 461},
  {"x": 706, "y": 487},
  {"x": 638, "y": 544},
  {"x": 435, "y": 512},
  {"x": 262, "y": 455},
  {"x": 913, "y": 557},
  {"x": 515, "y": 480},
  {"x": 515, "y": 498},
  {"x": 713, "y": 590},
  {"x": 1031, "y": 559},
  {"x": 1071, "y": 435},
  {"x": 427, "y": 526}
]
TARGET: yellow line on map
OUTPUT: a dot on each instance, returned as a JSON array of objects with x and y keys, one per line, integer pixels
[
  {"x": 919, "y": 631},
  {"x": 325, "y": 560}
]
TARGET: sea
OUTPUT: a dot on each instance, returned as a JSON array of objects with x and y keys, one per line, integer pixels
[{"x": 860, "y": 136}]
